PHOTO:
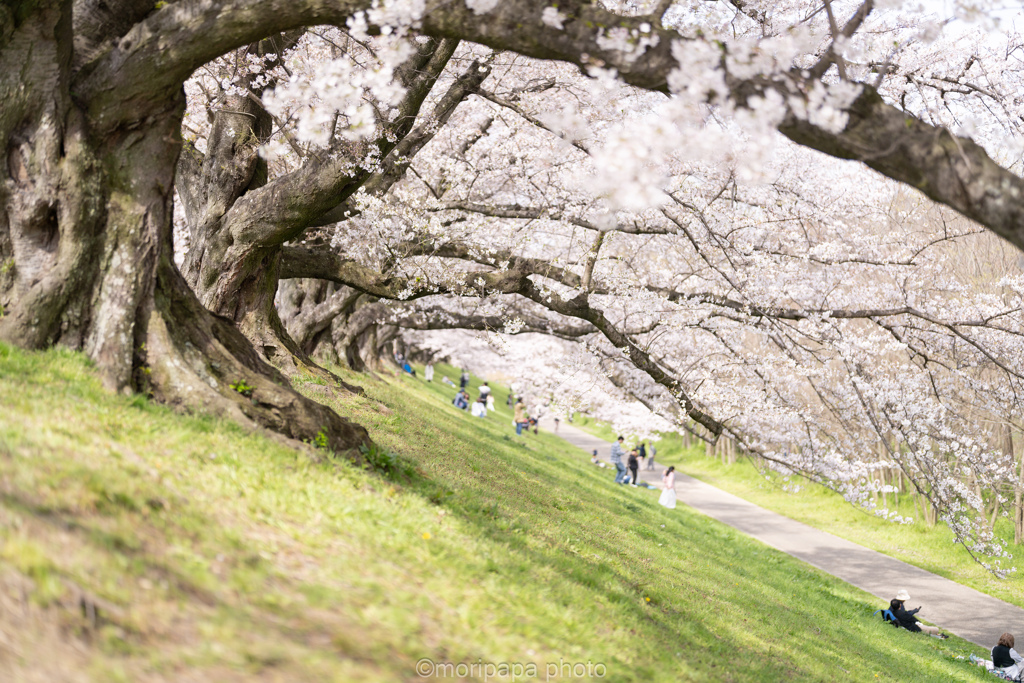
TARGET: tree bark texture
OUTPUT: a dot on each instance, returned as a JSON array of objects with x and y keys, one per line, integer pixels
[{"x": 85, "y": 243}]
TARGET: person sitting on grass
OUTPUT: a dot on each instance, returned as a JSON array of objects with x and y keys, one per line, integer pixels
[
  {"x": 1006, "y": 663},
  {"x": 461, "y": 400},
  {"x": 479, "y": 408},
  {"x": 906, "y": 617}
]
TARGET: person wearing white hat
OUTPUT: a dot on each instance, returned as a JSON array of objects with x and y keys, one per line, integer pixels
[{"x": 906, "y": 617}]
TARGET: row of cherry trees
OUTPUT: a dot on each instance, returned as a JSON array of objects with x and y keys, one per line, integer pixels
[{"x": 199, "y": 193}]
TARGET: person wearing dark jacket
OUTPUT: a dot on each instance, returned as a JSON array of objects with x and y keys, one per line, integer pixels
[
  {"x": 633, "y": 464},
  {"x": 906, "y": 617},
  {"x": 1005, "y": 657}
]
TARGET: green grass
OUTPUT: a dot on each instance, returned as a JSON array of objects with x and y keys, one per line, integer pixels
[
  {"x": 929, "y": 547},
  {"x": 203, "y": 552}
]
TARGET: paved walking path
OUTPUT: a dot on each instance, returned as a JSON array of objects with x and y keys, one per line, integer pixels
[{"x": 958, "y": 609}]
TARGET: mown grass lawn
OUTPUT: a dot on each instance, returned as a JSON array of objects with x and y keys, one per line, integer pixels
[
  {"x": 929, "y": 547},
  {"x": 139, "y": 544}
]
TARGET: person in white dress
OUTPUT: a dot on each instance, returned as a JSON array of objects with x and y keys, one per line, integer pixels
[
  {"x": 428, "y": 372},
  {"x": 668, "y": 485}
]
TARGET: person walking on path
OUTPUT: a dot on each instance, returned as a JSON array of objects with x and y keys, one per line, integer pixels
[
  {"x": 906, "y": 617},
  {"x": 643, "y": 454},
  {"x": 668, "y": 485},
  {"x": 1005, "y": 660},
  {"x": 620, "y": 469},
  {"x": 634, "y": 465},
  {"x": 650, "y": 458},
  {"x": 519, "y": 416},
  {"x": 428, "y": 372}
]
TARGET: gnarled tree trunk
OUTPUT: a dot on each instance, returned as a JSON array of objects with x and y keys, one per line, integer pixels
[
  {"x": 239, "y": 223},
  {"x": 85, "y": 237}
]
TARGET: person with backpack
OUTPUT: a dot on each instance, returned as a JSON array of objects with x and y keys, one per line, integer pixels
[{"x": 906, "y": 618}]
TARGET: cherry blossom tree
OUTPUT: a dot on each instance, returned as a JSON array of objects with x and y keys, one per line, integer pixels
[{"x": 639, "y": 187}]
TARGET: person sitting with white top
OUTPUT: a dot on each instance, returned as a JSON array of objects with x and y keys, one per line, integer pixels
[
  {"x": 1005, "y": 660},
  {"x": 479, "y": 409}
]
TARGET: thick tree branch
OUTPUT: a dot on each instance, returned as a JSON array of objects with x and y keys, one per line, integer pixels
[
  {"x": 140, "y": 71},
  {"x": 285, "y": 207},
  {"x": 398, "y": 161},
  {"x": 443, "y": 318}
]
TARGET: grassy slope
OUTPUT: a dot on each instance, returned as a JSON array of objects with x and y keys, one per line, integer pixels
[
  {"x": 931, "y": 548},
  {"x": 217, "y": 555}
]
